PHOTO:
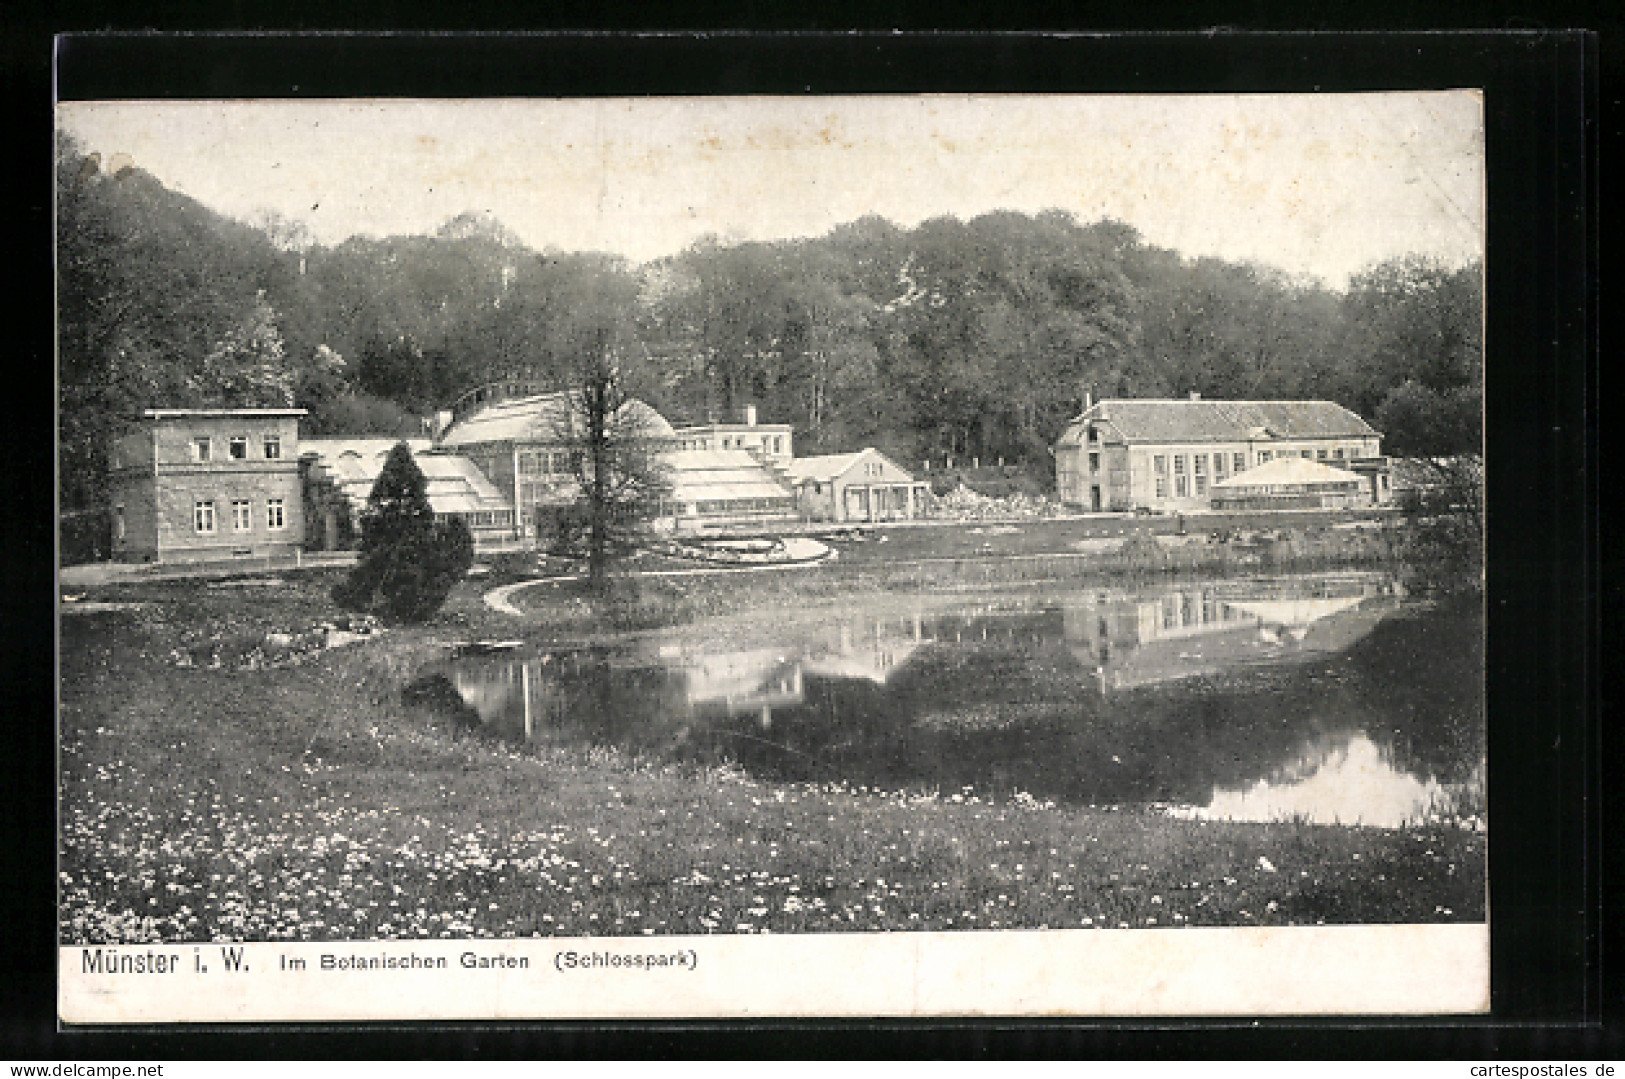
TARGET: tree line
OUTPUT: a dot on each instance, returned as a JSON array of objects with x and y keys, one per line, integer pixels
[{"x": 974, "y": 338}]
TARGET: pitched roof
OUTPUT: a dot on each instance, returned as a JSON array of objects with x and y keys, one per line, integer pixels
[
  {"x": 1288, "y": 470},
  {"x": 823, "y": 468},
  {"x": 1139, "y": 420},
  {"x": 829, "y": 466},
  {"x": 544, "y": 418}
]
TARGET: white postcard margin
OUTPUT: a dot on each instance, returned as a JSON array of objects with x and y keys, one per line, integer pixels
[{"x": 1334, "y": 970}]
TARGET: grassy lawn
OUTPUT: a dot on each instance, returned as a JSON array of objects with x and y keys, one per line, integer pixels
[{"x": 310, "y": 802}]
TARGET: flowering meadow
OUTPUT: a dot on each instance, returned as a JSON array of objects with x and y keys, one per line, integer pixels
[{"x": 311, "y": 803}]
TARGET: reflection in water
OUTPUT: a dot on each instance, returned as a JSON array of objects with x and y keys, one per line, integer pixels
[{"x": 1318, "y": 698}]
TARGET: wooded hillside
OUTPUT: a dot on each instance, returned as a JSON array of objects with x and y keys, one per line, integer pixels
[{"x": 964, "y": 338}]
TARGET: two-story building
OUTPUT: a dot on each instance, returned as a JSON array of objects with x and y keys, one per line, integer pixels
[
  {"x": 1167, "y": 455},
  {"x": 768, "y": 442},
  {"x": 208, "y": 483}
]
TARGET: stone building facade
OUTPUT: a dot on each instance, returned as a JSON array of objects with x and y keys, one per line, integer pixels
[
  {"x": 194, "y": 484},
  {"x": 1167, "y": 455}
]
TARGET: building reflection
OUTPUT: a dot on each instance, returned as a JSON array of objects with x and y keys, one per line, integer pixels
[
  {"x": 1079, "y": 695},
  {"x": 1137, "y": 640},
  {"x": 1122, "y": 639}
]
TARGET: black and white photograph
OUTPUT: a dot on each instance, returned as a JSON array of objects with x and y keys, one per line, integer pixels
[{"x": 825, "y": 555}]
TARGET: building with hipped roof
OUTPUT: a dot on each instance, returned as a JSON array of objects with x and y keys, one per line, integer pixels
[{"x": 1127, "y": 454}]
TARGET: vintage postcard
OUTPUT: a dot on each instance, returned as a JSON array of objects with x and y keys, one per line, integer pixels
[{"x": 931, "y": 555}]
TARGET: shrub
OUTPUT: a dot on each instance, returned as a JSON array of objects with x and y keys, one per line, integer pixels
[{"x": 409, "y": 561}]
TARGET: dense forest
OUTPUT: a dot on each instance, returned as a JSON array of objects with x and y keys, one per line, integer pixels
[{"x": 956, "y": 338}]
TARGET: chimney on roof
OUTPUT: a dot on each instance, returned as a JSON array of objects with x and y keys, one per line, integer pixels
[
  {"x": 1088, "y": 400},
  {"x": 1195, "y": 395},
  {"x": 750, "y": 415}
]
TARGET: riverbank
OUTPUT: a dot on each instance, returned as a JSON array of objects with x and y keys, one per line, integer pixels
[{"x": 311, "y": 801}]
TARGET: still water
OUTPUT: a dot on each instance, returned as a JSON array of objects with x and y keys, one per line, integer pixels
[{"x": 1322, "y": 698}]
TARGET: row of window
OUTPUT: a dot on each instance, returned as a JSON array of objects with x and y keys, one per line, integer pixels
[
  {"x": 1189, "y": 610},
  {"x": 242, "y": 515},
  {"x": 741, "y": 505},
  {"x": 236, "y": 448},
  {"x": 545, "y": 463},
  {"x": 1159, "y": 462},
  {"x": 483, "y": 518},
  {"x": 1222, "y": 463},
  {"x": 771, "y": 444},
  {"x": 1182, "y": 486}
]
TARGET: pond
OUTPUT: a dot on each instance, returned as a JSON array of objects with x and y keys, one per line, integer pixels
[{"x": 1328, "y": 698}]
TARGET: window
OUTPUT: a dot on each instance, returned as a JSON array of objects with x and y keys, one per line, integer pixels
[
  {"x": 1159, "y": 463},
  {"x": 1304, "y": 454},
  {"x": 1199, "y": 464},
  {"x": 1162, "y": 486},
  {"x": 1264, "y": 455},
  {"x": 1201, "y": 485},
  {"x": 1240, "y": 461},
  {"x": 240, "y": 519},
  {"x": 1094, "y": 434},
  {"x": 238, "y": 448},
  {"x": 1338, "y": 453},
  {"x": 274, "y": 518},
  {"x": 1320, "y": 455},
  {"x": 203, "y": 517},
  {"x": 201, "y": 449},
  {"x": 273, "y": 447},
  {"x": 1179, "y": 464},
  {"x": 1094, "y": 462},
  {"x": 776, "y": 443},
  {"x": 1181, "y": 486},
  {"x": 1221, "y": 464}
]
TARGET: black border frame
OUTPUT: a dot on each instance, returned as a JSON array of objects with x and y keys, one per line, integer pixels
[{"x": 1542, "y": 414}]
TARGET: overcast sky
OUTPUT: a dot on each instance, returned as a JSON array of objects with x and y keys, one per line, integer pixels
[{"x": 1318, "y": 184}]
